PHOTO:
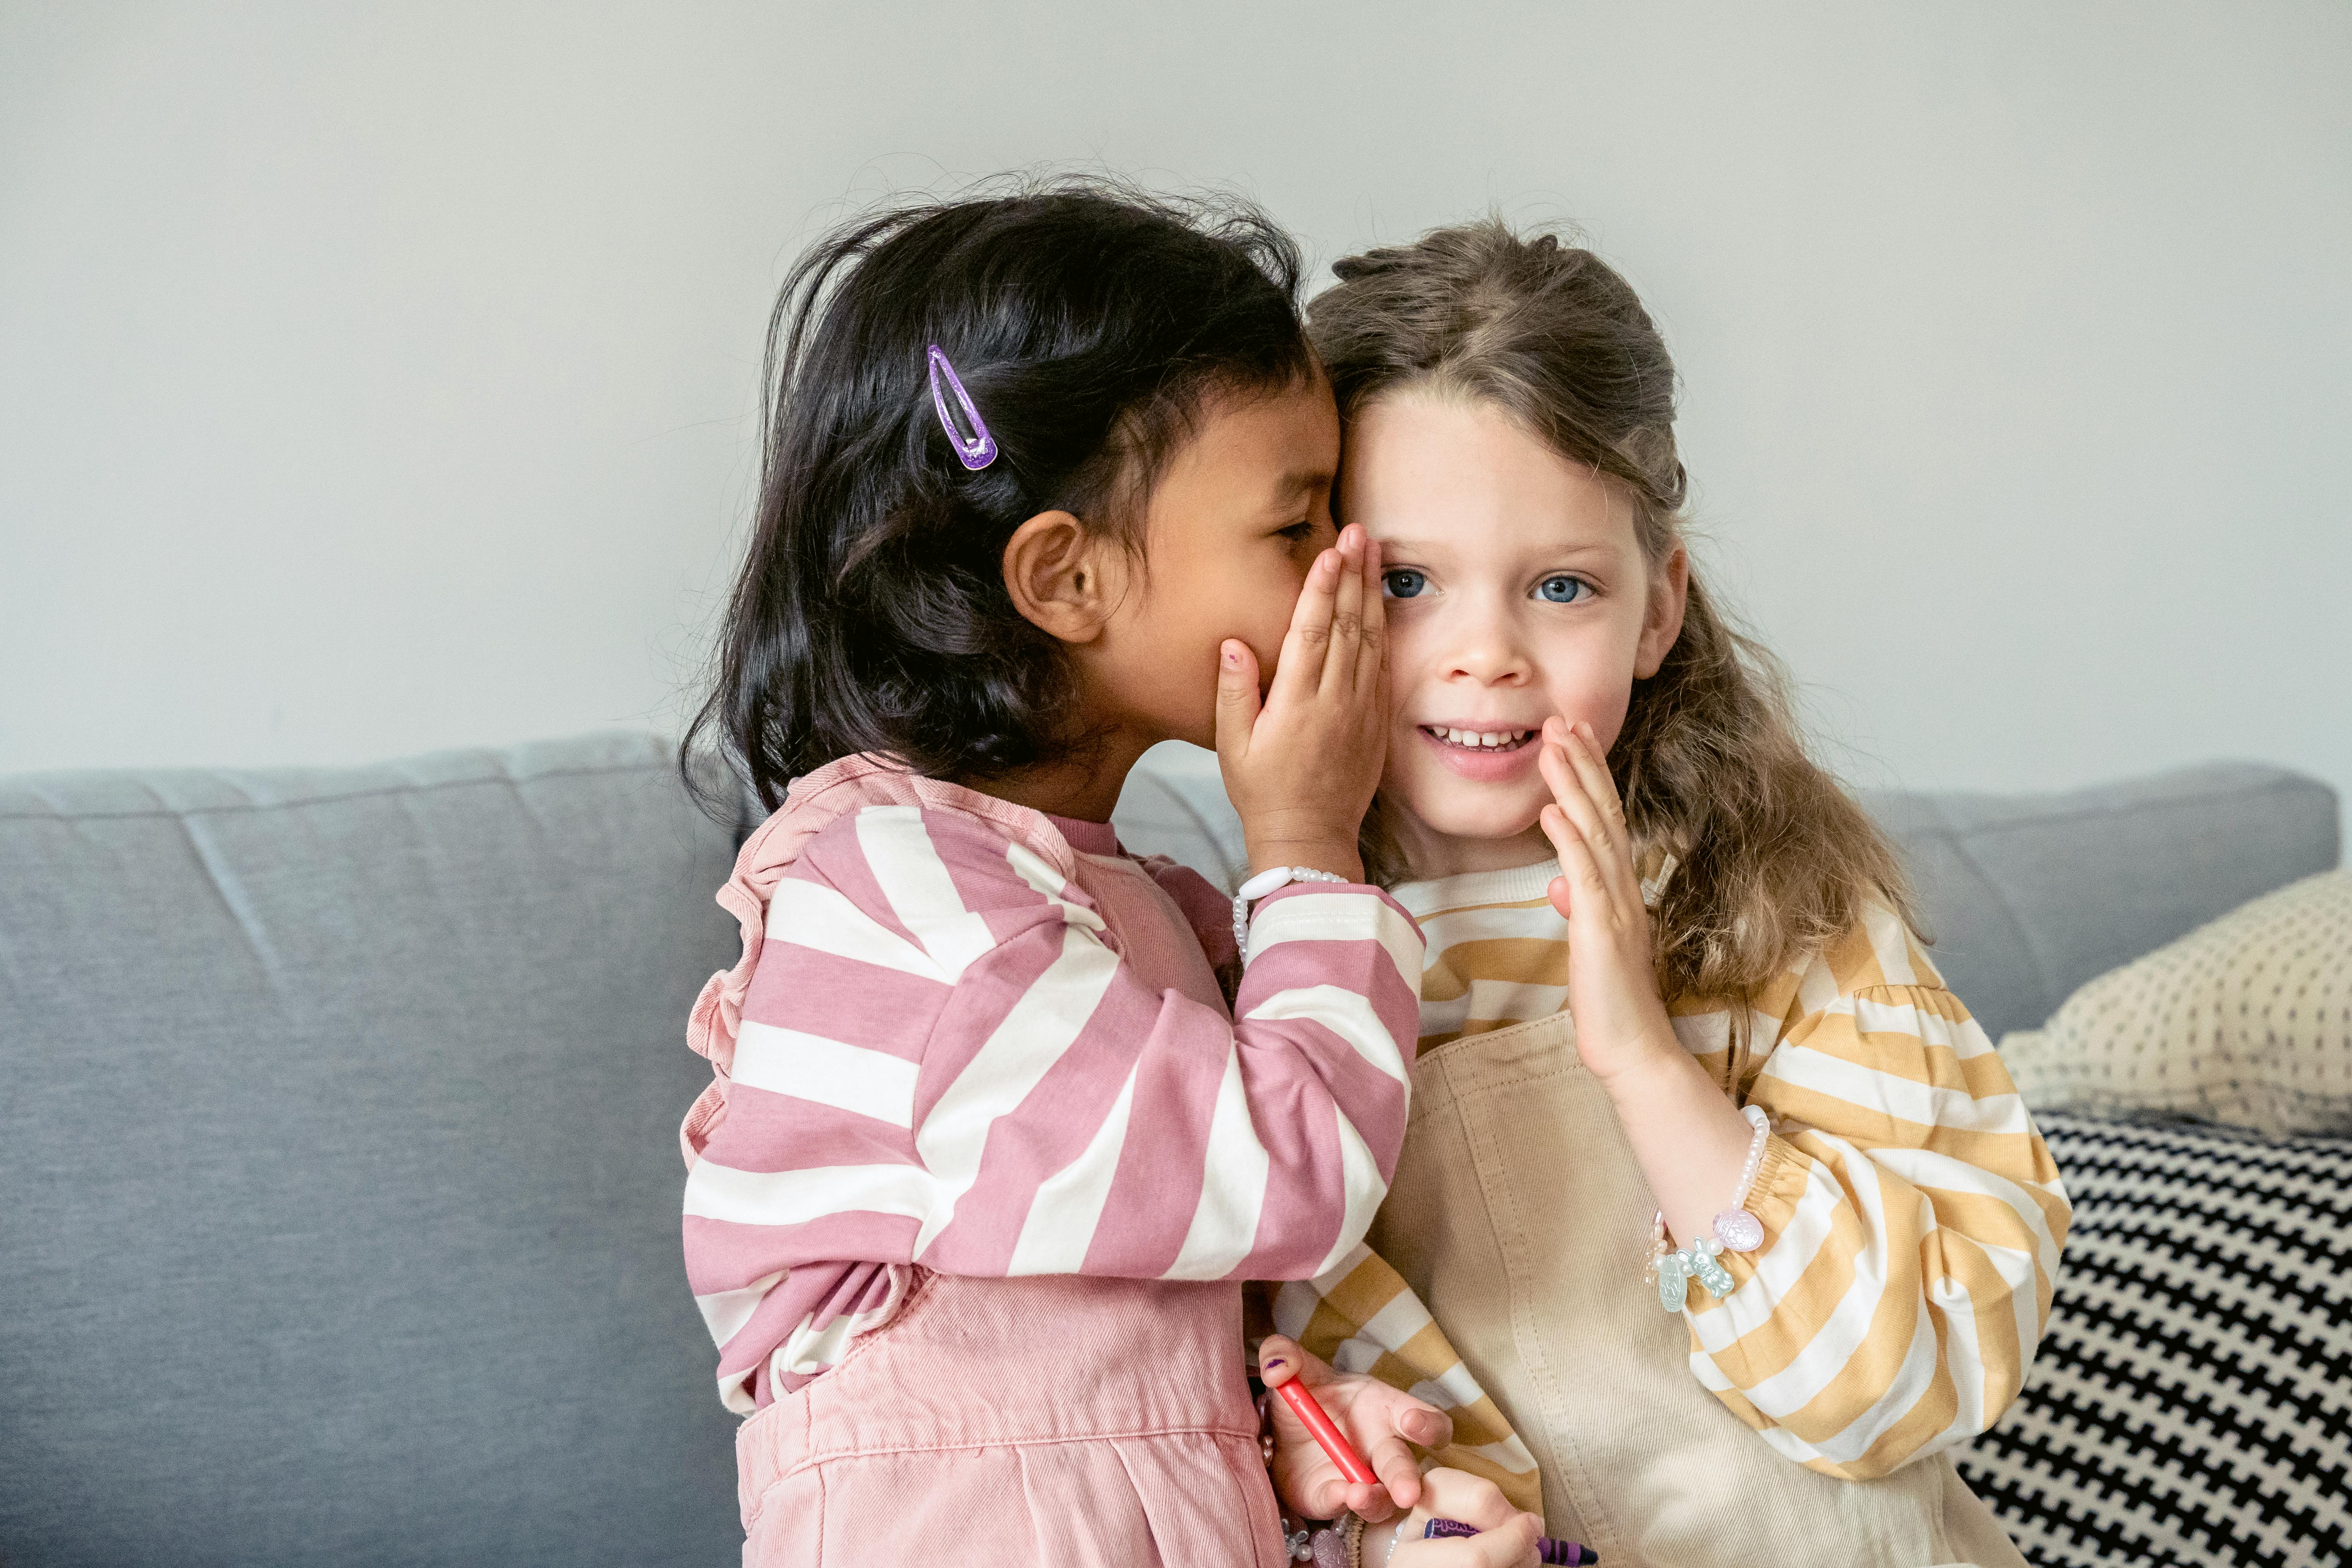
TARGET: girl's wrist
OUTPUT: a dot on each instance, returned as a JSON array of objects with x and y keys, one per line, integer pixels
[
  {"x": 1336, "y": 856},
  {"x": 1378, "y": 1543}
]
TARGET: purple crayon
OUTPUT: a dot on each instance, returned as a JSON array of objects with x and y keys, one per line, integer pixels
[{"x": 1547, "y": 1549}]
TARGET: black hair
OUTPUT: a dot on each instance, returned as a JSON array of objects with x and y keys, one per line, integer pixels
[{"x": 1089, "y": 323}]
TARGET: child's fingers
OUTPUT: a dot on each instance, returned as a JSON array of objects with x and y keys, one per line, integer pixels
[
  {"x": 1579, "y": 882},
  {"x": 1570, "y": 802},
  {"x": 1399, "y": 1472},
  {"x": 1380, "y": 1423},
  {"x": 1383, "y": 1423},
  {"x": 1238, "y": 701},
  {"x": 1298, "y": 669},
  {"x": 1567, "y": 766},
  {"x": 1303, "y": 1472},
  {"x": 1584, "y": 752},
  {"x": 1337, "y": 676},
  {"x": 1368, "y": 1499},
  {"x": 1505, "y": 1537},
  {"x": 1372, "y": 649},
  {"x": 1508, "y": 1545},
  {"x": 1474, "y": 1500}
]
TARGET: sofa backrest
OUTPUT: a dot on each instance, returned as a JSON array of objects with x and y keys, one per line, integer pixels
[
  {"x": 2030, "y": 896},
  {"x": 338, "y": 1136},
  {"x": 2027, "y": 896},
  {"x": 338, "y": 1118}
]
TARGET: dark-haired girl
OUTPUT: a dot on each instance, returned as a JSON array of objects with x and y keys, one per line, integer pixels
[{"x": 988, "y": 1154}]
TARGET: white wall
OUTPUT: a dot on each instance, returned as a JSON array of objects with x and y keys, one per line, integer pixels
[{"x": 382, "y": 377}]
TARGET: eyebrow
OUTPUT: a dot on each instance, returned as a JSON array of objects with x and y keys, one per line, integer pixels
[{"x": 1431, "y": 546}]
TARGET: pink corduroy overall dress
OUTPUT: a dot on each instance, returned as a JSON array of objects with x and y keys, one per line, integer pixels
[{"x": 1054, "y": 1420}]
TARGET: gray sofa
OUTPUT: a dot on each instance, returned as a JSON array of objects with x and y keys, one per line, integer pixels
[{"x": 338, "y": 1158}]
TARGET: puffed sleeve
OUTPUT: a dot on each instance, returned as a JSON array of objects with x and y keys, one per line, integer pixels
[{"x": 1912, "y": 1222}]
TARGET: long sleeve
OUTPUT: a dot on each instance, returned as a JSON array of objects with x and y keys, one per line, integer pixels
[
  {"x": 944, "y": 1060},
  {"x": 1913, "y": 1220}
]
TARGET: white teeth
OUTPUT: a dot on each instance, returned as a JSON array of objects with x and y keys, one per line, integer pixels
[{"x": 1480, "y": 738}]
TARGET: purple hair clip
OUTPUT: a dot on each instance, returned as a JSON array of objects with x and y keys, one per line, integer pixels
[{"x": 977, "y": 449}]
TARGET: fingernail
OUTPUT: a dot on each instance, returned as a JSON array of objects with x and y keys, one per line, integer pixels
[{"x": 1233, "y": 660}]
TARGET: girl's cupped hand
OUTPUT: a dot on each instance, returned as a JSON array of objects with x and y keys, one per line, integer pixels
[
  {"x": 1301, "y": 765},
  {"x": 1507, "y": 1538},
  {"x": 1613, "y": 989},
  {"x": 1380, "y": 1422}
]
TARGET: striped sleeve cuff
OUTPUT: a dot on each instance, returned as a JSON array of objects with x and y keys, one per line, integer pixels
[{"x": 1325, "y": 911}]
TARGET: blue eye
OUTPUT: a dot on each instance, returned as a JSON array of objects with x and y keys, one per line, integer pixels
[
  {"x": 1563, "y": 590},
  {"x": 1402, "y": 584}
]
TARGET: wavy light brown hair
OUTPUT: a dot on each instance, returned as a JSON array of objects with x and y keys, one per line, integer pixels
[{"x": 1775, "y": 859}]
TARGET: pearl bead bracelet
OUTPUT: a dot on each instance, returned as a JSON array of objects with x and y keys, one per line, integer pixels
[
  {"x": 1735, "y": 1230},
  {"x": 1261, "y": 884}
]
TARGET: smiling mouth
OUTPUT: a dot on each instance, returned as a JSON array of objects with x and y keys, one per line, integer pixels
[{"x": 1479, "y": 740}]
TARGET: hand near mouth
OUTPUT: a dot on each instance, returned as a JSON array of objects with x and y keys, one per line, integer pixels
[
  {"x": 1613, "y": 985},
  {"x": 1301, "y": 763},
  {"x": 1687, "y": 1133}
]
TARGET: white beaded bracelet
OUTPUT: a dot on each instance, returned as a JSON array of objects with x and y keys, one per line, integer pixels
[
  {"x": 1738, "y": 1230},
  {"x": 1265, "y": 882},
  {"x": 1735, "y": 1230}
]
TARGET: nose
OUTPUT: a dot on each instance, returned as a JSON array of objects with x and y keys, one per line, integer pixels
[{"x": 1486, "y": 651}]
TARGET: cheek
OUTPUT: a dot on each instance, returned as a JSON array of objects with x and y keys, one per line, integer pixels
[
  {"x": 1257, "y": 610},
  {"x": 1413, "y": 649},
  {"x": 1595, "y": 688}
]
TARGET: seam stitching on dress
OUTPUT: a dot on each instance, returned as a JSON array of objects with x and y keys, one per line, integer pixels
[{"x": 831, "y": 1455}]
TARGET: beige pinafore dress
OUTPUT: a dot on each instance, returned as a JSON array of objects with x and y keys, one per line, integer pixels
[{"x": 1519, "y": 1215}]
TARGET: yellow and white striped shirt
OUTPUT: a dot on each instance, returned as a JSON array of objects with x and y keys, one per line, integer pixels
[{"x": 1912, "y": 1217}]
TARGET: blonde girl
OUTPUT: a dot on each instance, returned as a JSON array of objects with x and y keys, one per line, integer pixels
[{"x": 1714, "y": 1188}]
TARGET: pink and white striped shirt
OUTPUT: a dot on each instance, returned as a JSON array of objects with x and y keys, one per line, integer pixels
[{"x": 967, "y": 1036}]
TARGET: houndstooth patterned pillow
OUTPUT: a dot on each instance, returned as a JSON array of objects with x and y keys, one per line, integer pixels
[
  {"x": 2247, "y": 1020},
  {"x": 2191, "y": 1404}
]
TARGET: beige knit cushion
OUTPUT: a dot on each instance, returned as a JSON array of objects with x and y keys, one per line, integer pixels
[{"x": 2247, "y": 1020}]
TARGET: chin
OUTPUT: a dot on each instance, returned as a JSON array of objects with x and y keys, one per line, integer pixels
[{"x": 1457, "y": 811}]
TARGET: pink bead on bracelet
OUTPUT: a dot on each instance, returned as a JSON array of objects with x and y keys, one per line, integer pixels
[{"x": 1738, "y": 1229}]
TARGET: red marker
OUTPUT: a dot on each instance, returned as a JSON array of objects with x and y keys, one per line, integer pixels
[{"x": 1332, "y": 1440}]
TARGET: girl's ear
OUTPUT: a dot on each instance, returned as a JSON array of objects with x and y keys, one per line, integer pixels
[
  {"x": 1059, "y": 575},
  {"x": 1662, "y": 620}
]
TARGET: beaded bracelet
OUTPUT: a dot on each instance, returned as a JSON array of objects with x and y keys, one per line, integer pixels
[
  {"x": 1337, "y": 1544},
  {"x": 1261, "y": 884},
  {"x": 1735, "y": 1230}
]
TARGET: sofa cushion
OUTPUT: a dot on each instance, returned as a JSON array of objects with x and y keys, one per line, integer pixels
[
  {"x": 2030, "y": 896},
  {"x": 2191, "y": 1402},
  {"x": 339, "y": 1146},
  {"x": 2246, "y": 1020}
]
